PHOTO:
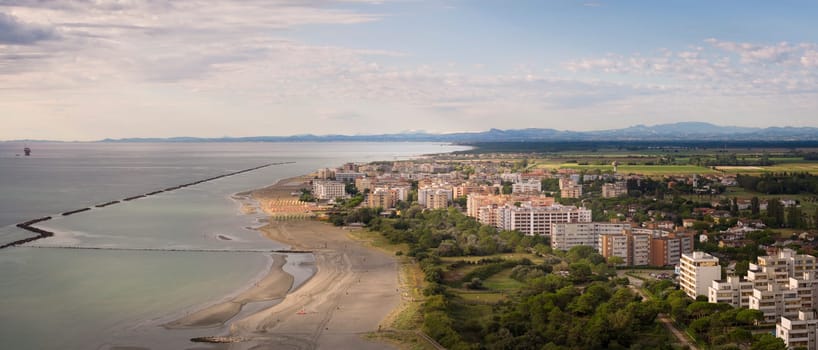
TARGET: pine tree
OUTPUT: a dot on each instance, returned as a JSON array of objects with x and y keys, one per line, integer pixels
[{"x": 755, "y": 206}]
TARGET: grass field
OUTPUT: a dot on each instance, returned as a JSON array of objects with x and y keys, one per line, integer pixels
[
  {"x": 502, "y": 281},
  {"x": 809, "y": 167},
  {"x": 647, "y": 170},
  {"x": 480, "y": 297}
]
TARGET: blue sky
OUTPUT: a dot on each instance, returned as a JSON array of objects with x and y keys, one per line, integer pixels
[{"x": 85, "y": 70}]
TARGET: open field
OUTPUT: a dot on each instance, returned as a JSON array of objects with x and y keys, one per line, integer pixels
[
  {"x": 647, "y": 170},
  {"x": 502, "y": 281},
  {"x": 480, "y": 296},
  {"x": 809, "y": 167}
]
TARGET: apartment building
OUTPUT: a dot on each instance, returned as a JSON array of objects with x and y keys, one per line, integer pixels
[
  {"x": 365, "y": 183},
  {"x": 348, "y": 176},
  {"x": 800, "y": 332},
  {"x": 381, "y": 198},
  {"x": 697, "y": 271},
  {"x": 666, "y": 248},
  {"x": 784, "y": 270},
  {"x": 326, "y": 173},
  {"x": 616, "y": 189},
  {"x": 531, "y": 186},
  {"x": 570, "y": 187},
  {"x": 511, "y": 177},
  {"x": 735, "y": 291},
  {"x": 434, "y": 198},
  {"x": 536, "y": 220},
  {"x": 475, "y": 202},
  {"x": 470, "y": 188},
  {"x": 571, "y": 192},
  {"x": 328, "y": 189},
  {"x": 565, "y": 236},
  {"x": 632, "y": 246},
  {"x": 776, "y": 300}
]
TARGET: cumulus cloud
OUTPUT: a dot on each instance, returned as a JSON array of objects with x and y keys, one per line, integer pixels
[{"x": 16, "y": 32}]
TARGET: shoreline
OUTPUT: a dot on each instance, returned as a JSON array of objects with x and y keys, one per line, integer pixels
[
  {"x": 351, "y": 291},
  {"x": 273, "y": 285}
]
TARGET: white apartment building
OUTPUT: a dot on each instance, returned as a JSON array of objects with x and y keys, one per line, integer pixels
[
  {"x": 565, "y": 236},
  {"x": 531, "y": 186},
  {"x": 328, "y": 189},
  {"x": 426, "y": 192},
  {"x": 511, "y": 177},
  {"x": 778, "y": 285},
  {"x": 698, "y": 270},
  {"x": 734, "y": 291},
  {"x": 778, "y": 301},
  {"x": 800, "y": 331},
  {"x": 537, "y": 220},
  {"x": 434, "y": 197}
]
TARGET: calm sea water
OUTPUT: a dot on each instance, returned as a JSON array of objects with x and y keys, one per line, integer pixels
[{"x": 56, "y": 298}]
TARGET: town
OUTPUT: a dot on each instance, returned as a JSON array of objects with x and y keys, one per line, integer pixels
[{"x": 710, "y": 234}]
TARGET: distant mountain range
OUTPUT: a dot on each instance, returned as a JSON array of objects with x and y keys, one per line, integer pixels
[{"x": 684, "y": 131}]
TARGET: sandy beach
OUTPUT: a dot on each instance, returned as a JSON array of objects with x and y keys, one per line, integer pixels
[{"x": 352, "y": 292}]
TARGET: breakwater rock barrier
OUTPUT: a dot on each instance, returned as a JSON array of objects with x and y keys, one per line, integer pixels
[{"x": 40, "y": 233}]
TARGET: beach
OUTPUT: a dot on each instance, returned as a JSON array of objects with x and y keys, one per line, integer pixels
[{"x": 352, "y": 291}]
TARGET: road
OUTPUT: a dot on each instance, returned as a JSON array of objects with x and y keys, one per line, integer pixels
[{"x": 636, "y": 285}]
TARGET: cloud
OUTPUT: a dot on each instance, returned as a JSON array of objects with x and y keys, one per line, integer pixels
[
  {"x": 15, "y": 32},
  {"x": 176, "y": 63},
  {"x": 722, "y": 68},
  {"x": 753, "y": 53},
  {"x": 809, "y": 59}
]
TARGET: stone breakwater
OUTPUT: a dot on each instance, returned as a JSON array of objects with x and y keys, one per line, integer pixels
[{"x": 40, "y": 233}]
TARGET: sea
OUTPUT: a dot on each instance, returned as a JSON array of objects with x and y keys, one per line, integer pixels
[{"x": 112, "y": 276}]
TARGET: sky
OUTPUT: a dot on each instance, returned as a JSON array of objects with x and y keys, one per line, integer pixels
[{"x": 94, "y": 69}]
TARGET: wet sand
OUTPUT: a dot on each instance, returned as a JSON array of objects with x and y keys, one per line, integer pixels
[{"x": 274, "y": 285}]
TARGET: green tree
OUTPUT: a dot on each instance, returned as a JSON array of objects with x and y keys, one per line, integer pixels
[
  {"x": 755, "y": 206},
  {"x": 734, "y": 206},
  {"x": 506, "y": 187},
  {"x": 350, "y": 188},
  {"x": 794, "y": 218},
  {"x": 766, "y": 341},
  {"x": 580, "y": 271},
  {"x": 815, "y": 219},
  {"x": 775, "y": 213}
]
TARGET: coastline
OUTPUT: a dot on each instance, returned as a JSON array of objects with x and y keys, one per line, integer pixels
[{"x": 352, "y": 291}]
